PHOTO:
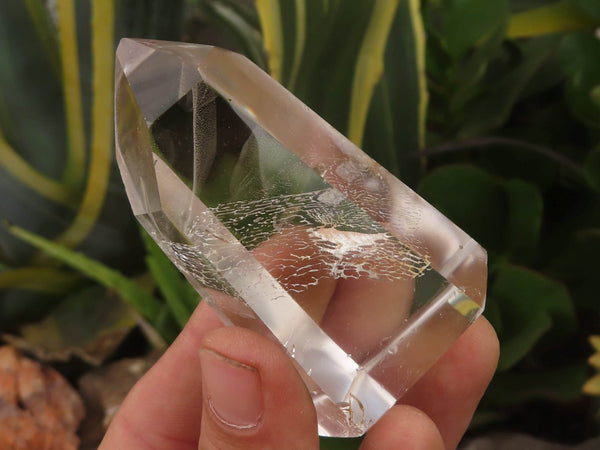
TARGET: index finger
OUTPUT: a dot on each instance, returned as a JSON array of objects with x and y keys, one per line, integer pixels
[{"x": 164, "y": 409}]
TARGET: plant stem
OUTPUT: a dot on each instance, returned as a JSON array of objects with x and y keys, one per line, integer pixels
[
  {"x": 102, "y": 137},
  {"x": 490, "y": 141}
]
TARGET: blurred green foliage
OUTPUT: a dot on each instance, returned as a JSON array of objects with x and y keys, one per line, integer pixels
[
  {"x": 490, "y": 110},
  {"x": 56, "y": 141}
]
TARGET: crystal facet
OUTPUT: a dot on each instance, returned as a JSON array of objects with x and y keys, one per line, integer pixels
[{"x": 287, "y": 228}]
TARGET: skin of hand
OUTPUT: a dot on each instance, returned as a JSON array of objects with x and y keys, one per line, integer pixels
[{"x": 220, "y": 387}]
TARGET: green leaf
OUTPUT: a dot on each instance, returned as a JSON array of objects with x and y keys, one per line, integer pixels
[
  {"x": 533, "y": 325},
  {"x": 556, "y": 17},
  {"x": 32, "y": 123},
  {"x": 270, "y": 16},
  {"x": 495, "y": 104},
  {"x": 531, "y": 305},
  {"x": 177, "y": 292},
  {"x": 242, "y": 24},
  {"x": 467, "y": 22},
  {"x": 369, "y": 66},
  {"x": 369, "y": 84},
  {"x": 31, "y": 100},
  {"x": 18, "y": 306},
  {"x": 312, "y": 52},
  {"x": 45, "y": 31},
  {"x": 579, "y": 55},
  {"x": 246, "y": 182},
  {"x": 524, "y": 5},
  {"x": 90, "y": 324},
  {"x": 470, "y": 74},
  {"x": 148, "y": 306},
  {"x": 577, "y": 263},
  {"x": 525, "y": 210},
  {"x": 513, "y": 158},
  {"x": 592, "y": 169},
  {"x": 22, "y": 205},
  {"x": 589, "y": 7},
  {"x": 517, "y": 387},
  {"x": 264, "y": 167},
  {"x": 579, "y": 258},
  {"x": 74, "y": 169},
  {"x": 24, "y": 173},
  {"x": 472, "y": 198},
  {"x": 150, "y": 19},
  {"x": 32, "y": 126},
  {"x": 40, "y": 279},
  {"x": 549, "y": 76},
  {"x": 395, "y": 125},
  {"x": 101, "y": 137}
]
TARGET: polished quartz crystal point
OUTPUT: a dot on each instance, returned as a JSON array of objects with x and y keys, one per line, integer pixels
[{"x": 287, "y": 228}]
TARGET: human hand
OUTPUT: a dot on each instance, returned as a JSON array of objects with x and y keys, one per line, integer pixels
[{"x": 227, "y": 387}]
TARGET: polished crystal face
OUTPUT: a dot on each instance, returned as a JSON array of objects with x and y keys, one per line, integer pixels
[{"x": 287, "y": 228}]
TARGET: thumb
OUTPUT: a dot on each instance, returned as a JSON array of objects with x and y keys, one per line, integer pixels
[{"x": 253, "y": 398}]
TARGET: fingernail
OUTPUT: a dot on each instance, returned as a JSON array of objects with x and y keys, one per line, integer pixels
[{"x": 233, "y": 390}]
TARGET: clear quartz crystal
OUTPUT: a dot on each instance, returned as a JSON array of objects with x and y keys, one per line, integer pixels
[{"x": 287, "y": 228}]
